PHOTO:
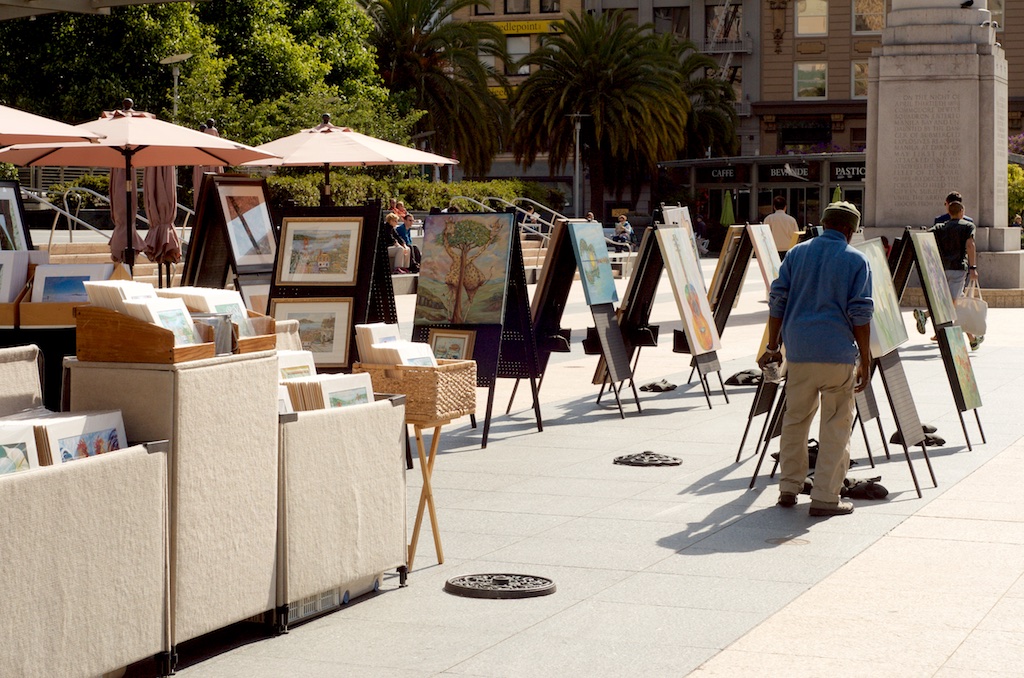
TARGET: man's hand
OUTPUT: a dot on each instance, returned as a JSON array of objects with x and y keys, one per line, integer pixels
[
  {"x": 863, "y": 376},
  {"x": 972, "y": 275},
  {"x": 769, "y": 357}
]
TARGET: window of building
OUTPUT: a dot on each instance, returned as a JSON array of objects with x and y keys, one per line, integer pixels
[
  {"x": 672, "y": 20},
  {"x": 518, "y": 46},
  {"x": 723, "y": 23},
  {"x": 859, "y": 79},
  {"x": 812, "y": 17},
  {"x": 810, "y": 81},
  {"x": 550, "y": 6},
  {"x": 488, "y": 60},
  {"x": 858, "y": 139},
  {"x": 868, "y": 16},
  {"x": 517, "y": 6},
  {"x": 484, "y": 10}
]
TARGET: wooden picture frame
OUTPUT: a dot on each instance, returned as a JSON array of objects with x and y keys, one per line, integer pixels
[
  {"x": 451, "y": 344},
  {"x": 325, "y": 326},
  {"x": 319, "y": 251},
  {"x": 14, "y": 233},
  {"x": 250, "y": 229},
  {"x": 255, "y": 291}
]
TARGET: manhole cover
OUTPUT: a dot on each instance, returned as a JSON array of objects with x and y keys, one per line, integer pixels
[
  {"x": 501, "y": 586},
  {"x": 787, "y": 541},
  {"x": 648, "y": 458}
]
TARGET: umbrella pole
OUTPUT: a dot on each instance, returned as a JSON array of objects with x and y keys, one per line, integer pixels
[
  {"x": 129, "y": 249},
  {"x": 325, "y": 192}
]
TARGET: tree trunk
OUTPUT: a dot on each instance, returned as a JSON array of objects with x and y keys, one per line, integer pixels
[{"x": 592, "y": 161}]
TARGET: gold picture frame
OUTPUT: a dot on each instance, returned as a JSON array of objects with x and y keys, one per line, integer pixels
[
  {"x": 449, "y": 344},
  {"x": 319, "y": 251}
]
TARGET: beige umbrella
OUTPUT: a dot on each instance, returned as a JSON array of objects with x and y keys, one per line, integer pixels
[
  {"x": 160, "y": 194},
  {"x": 134, "y": 139},
  {"x": 19, "y": 127},
  {"x": 330, "y": 145}
]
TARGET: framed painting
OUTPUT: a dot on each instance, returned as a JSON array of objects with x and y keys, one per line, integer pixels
[
  {"x": 766, "y": 251},
  {"x": 591, "y": 250},
  {"x": 319, "y": 251},
  {"x": 14, "y": 234},
  {"x": 243, "y": 203},
  {"x": 448, "y": 344},
  {"x": 933, "y": 278},
  {"x": 888, "y": 330},
  {"x": 959, "y": 370},
  {"x": 685, "y": 276},
  {"x": 726, "y": 257},
  {"x": 255, "y": 291},
  {"x": 66, "y": 282},
  {"x": 17, "y": 447},
  {"x": 324, "y": 326},
  {"x": 464, "y": 271},
  {"x": 78, "y": 437}
]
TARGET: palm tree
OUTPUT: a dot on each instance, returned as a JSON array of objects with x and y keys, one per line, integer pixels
[
  {"x": 424, "y": 51},
  {"x": 713, "y": 120},
  {"x": 629, "y": 89}
]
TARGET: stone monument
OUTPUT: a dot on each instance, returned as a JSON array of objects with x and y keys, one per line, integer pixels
[{"x": 937, "y": 122}]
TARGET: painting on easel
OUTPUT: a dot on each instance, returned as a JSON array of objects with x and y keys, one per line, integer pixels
[
  {"x": 685, "y": 276},
  {"x": 965, "y": 390},
  {"x": 464, "y": 273},
  {"x": 888, "y": 330},
  {"x": 591, "y": 252},
  {"x": 933, "y": 277}
]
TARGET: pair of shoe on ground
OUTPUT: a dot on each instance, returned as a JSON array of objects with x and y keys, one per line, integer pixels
[
  {"x": 818, "y": 508},
  {"x": 921, "y": 318}
]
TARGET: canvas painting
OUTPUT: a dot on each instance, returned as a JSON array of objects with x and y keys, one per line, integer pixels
[
  {"x": 324, "y": 326},
  {"x": 591, "y": 250},
  {"x": 319, "y": 250},
  {"x": 248, "y": 222},
  {"x": 452, "y": 344},
  {"x": 12, "y": 224},
  {"x": 888, "y": 330},
  {"x": 17, "y": 447},
  {"x": 933, "y": 277},
  {"x": 685, "y": 276},
  {"x": 766, "y": 251},
  {"x": 730, "y": 248},
  {"x": 65, "y": 282},
  {"x": 964, "y": 373},
  {"x": 464, "y": 270}
]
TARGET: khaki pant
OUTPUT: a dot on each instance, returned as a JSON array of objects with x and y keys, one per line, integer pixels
[{"x": 806, "y": 383}]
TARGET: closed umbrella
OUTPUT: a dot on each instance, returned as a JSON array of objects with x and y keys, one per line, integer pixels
[
  {"x": 134, "y": 139},
  {"x": 122, "y": 215},
  {"x": 727, "y": 219},
  {"x": 20, "y": 127},
  {"x": 159, "y": 192},
  {"x": 330, "y": 145}
]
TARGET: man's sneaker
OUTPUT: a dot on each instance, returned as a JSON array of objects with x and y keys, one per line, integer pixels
[
  {"x": 824, "y": 508},
  {"x": 976, "y": 342},
  {"x": 787, "y": 499},
  {"x": 921, "y": 318}
]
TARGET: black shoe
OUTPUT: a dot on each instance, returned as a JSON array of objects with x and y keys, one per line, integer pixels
[{"x": 787, "y": 499}]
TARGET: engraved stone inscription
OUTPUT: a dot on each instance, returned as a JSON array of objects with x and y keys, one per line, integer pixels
[{"x": 925, "y": 124}]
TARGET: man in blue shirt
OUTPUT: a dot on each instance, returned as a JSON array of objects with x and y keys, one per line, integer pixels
[{"x": 820, "y": 307}]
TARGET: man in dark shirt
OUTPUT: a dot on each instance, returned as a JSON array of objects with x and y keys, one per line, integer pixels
[{"x": 955, "y": 240}]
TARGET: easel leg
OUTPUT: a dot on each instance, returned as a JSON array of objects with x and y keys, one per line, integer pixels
[
  {"x": 536, "y": 404},
  {"x": 601, "y": 392},
  {"x": 750, "y": 420},
  {"x": 707, "y": 388},
  {"x": 963, "y": 425},
  {"x": 722, "y": 384},
  {"x": 515, "y": 387},
  {"x": 690, "y": 378},
  {"x": 928, "y": 463},
  {"x": 487, "y": 420},
  {"x": 622, "y": 415},
  {"x": 864, "y": 431},
  {"x": 766, "y": 437},
  {"x": 636, "y": 396},
  {"x": 472, "y": 421},
  {"x": 982, "y": 432},
  {"x": 426, "y": 495},
  {"x": 885, "y": 443},
  {"x": 913, "y": 475}
]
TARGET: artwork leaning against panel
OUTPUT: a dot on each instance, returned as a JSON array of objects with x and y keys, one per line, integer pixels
[
  {"x": 319, "y": 250},
  {"x": 766, "y": 252},
  {"x": 324, "y": 326},
  {"x": 464, "y": 271},
  {"x": 449, "y": 344},
  {"x": 933, "y": 276},
  {"x": 888, "y": 331},
  {"x": 685, "y": 276},
  {"x": 247, "y": 217},
  {"x": 13, "y": 232},
  {"x": 591, "y": 250}
]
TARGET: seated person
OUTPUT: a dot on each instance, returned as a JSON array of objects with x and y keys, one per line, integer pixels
[
  {"x": 404, "y": 231},
  {"x": 399, "y": 252},
  {"x": 623, "y": 234}
]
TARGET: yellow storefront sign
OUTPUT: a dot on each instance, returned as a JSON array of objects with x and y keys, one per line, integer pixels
[{"x": 524, "y": 27}]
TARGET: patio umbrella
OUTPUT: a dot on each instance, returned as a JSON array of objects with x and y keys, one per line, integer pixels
[
  {"x": 160, "y": 195},
  {"x": 727, "y": 219},
  {"x": 330, "y": 145},
  {"x": 19, "y": 127},
  {"x": 134, "y": 139}
]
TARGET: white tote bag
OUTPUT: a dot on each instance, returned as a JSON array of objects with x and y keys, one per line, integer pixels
[{"x": 971, "y": 311}]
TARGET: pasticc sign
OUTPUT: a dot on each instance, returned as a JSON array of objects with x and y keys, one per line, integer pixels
[{"x": 848, "y": 171}]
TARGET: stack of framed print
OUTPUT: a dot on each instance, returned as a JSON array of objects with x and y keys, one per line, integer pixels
[
  {"x": 233, "y": 233},
  {"x": 14, "y": 234},
  {"x": 591, "y": 251},
  {"x": 684, "y": 274},
  {"x": 472, "y": 279},
  {"x": 330, "y": 276}
]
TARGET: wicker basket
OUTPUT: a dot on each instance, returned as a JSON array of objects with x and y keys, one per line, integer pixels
[{"x": 432, "y": 394}]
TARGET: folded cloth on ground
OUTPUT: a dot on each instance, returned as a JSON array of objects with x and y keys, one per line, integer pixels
[
  {"x": 744, "y": 378},
  {"x": 863, "y": 488},
  {"x": 658, "y": 386},
  {"x": 812, "y": 454},
  {"x": 930, "y": 440}
]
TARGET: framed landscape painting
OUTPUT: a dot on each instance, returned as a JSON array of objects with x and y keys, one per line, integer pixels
[
  {"x": 463, "y": 276},
  {"x": 591, "y": 250},
  {"x": 450, "y": 344},
  {"x": 319, "y": 251},
  {"x": 888, "y": 330},
  {"x": 685, "y": 276},
  {"x": 933, "y": 278},
  {"x": 14, "y": 234},
  {"x": 65, "y": 282},
  {"x": 247, "y": 217},
  {"x": 959, "y": 370},
  {"x": 324, "y": 326}
]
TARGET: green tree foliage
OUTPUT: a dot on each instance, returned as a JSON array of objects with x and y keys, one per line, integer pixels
[
  {"x": 422, "y": 50},
  {"x": 1015, "y": 192},
  {"x": 627, "y": 83}
]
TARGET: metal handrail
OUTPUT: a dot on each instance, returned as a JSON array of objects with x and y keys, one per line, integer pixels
[
  {"x": 72, "y": 219},
  {"x": 76, "y": 191}
]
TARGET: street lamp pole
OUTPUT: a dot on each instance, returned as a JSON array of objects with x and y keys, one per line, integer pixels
[
  {"x": 577, "y": 185},
  {"x": 174, "y": 60}
]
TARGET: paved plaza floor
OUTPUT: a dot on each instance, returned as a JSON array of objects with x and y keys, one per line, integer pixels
[{"x": 674, "y": 571}]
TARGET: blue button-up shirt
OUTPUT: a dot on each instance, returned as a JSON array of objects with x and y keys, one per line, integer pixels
[{"x": 822, "y": 292}]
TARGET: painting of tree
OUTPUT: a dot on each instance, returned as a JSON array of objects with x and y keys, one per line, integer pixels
[{"x": 464, "y": 272}]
